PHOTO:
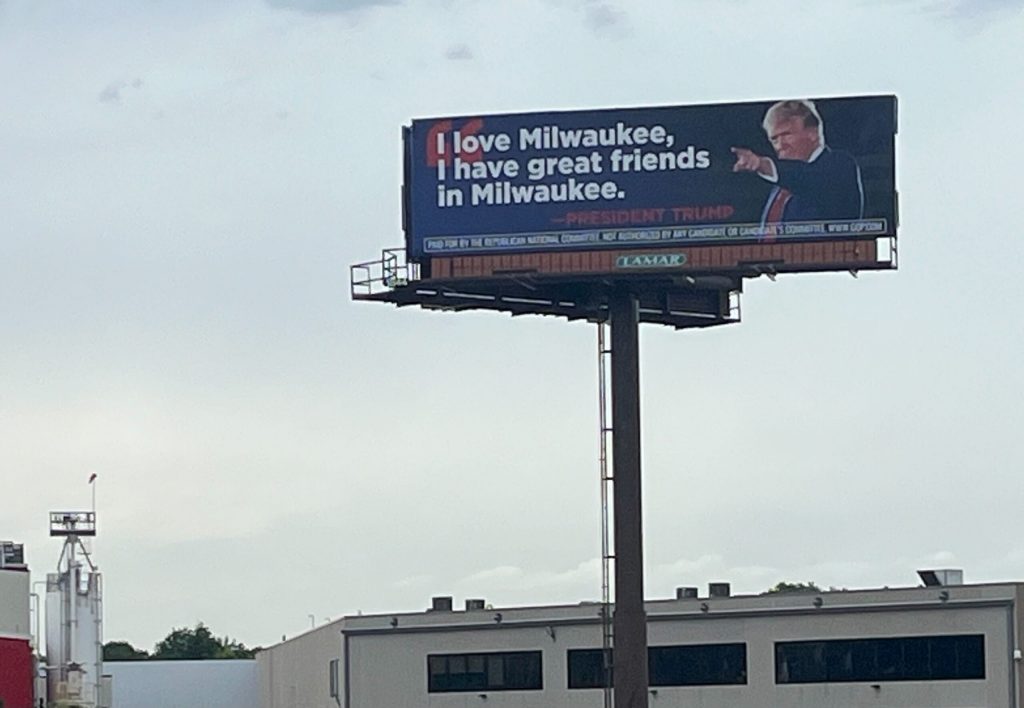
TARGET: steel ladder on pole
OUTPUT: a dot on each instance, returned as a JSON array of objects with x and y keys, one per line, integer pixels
[{"x": 607, "y": 557}]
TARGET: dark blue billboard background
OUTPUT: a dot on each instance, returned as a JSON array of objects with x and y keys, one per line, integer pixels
[{"x": 650, "y": 176}]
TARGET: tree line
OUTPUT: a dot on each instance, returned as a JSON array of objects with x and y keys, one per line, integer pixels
[{"x": 184, "y": 643}]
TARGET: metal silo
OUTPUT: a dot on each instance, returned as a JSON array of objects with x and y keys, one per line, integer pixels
[{"x": 74, "y": 617}]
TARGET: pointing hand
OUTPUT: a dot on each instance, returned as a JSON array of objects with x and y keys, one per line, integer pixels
[{"x": 746, "y": 160}]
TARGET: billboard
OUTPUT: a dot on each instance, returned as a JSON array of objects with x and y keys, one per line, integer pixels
[{"x": 758, "y": 172}]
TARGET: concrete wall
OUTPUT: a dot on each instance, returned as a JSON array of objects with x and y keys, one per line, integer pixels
[
  {"x": 14, "y": 604},
  {"x": 294, "y": 674},
  {"x": 184, "y": 684}
]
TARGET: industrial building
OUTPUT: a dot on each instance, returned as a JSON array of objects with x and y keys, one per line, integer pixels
[
  {"x": 71, "y": 675},
  {"x": 74, "y": 618},
  {"x": 942, "y": 645},
  {"x": 17, "y": 662}
]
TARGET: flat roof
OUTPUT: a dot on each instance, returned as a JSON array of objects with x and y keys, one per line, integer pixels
[{"x": 766, "y": 604}]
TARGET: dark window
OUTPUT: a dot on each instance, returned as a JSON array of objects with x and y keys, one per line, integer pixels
[
  {"x": 698, "y": 665},
  {"x": 685, "y": 665},
  {"x": 915, "y": 659},
  {"x": 586, "y": 668},
  {"x": 940, "y": 658},
  {"x": 493, "y": 671}
]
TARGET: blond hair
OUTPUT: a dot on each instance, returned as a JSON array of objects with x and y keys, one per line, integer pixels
[{"x": 802, "y": 108}]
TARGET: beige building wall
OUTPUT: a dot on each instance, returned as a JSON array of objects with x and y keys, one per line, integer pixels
[
  {"x": 390, "y": 668},
  {"x": 296, "y": 673}
]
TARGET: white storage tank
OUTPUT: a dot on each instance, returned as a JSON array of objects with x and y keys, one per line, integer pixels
[{"x": 74, "y": 618}]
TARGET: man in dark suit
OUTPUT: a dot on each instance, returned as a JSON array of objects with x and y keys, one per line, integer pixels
[{"x": 812, "y": 181}]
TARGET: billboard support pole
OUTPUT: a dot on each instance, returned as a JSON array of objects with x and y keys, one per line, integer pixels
[{"x": 630, "y": 623}]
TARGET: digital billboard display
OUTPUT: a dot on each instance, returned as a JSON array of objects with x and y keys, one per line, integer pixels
[{"x": 766, "y": 171}]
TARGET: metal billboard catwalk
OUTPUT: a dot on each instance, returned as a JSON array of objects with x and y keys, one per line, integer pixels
[
  {"x": 675, "y": 299},
  {"x": 680, "y": 301}
]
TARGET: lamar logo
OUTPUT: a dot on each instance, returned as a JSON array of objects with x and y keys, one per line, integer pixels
[{"x": 663, "y": 260}]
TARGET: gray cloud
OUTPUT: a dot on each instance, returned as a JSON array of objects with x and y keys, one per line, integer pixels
[
  {"x": 112, "y": 92},
  {"x": 960, "y": 9},
  {"x": 604, "y": 16},
  {"x": 321, "y": 7},
  {"x": 459, "y": 52},
  {"x": 978, "y": 8}
]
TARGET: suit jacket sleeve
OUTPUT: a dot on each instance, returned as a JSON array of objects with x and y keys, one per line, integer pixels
[{"x": 829, "y": 188}]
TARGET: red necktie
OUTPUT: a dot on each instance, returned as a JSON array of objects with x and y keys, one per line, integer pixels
[
  {"x": 773, "y": 215},
  {"x": 779, "y": 201}
]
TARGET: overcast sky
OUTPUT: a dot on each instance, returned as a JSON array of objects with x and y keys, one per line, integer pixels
[{"x": 184, "y": 184}]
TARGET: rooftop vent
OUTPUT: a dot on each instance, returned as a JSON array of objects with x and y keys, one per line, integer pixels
[
  {"x": 940, "y": 577},
  {"x": 686, "y": 593},
  {"x": 719, "y": 590},
  {"x": 475, "y": 604},
  {"x": 441, "y": 603}
]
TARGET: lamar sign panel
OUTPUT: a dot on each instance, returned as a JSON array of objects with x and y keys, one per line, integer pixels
[{"x": 646, "y": 177}]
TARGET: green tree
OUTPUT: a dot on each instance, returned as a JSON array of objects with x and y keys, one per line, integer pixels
[
  {"x": 199, "y": 643},
  {"x": 784, "y": 587},
  {"x": 123, "y": 651},
  {"x": 236, "y": 650}
]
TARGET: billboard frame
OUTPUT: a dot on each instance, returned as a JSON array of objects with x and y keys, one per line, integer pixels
[{"x": 501, "y": 223}]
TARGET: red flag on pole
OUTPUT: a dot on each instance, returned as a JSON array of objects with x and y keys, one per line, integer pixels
[{"x": 92, "y": 478}]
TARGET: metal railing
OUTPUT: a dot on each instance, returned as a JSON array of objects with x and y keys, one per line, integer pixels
[
  {"x": 392, "y": 270},
  {"x": 12, "y": 555},
  {"x": 72, "y": 523}
]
